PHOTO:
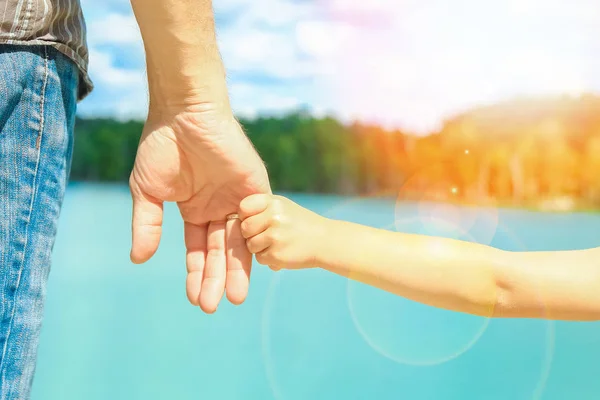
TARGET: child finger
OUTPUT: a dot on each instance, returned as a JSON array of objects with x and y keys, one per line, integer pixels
[
  {"x": 258, "y": 243},
  {"x": 255, "y": 224}
]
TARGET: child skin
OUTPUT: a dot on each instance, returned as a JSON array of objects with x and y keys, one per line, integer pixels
[{"x": 445, "y": 273}]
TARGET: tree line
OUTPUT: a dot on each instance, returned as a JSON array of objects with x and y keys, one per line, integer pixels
[{"x": 517, "y": 152}]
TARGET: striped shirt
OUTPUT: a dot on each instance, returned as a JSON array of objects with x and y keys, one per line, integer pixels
[{"x": 58, "y": 23}]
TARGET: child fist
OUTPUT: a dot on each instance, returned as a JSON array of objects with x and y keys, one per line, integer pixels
[{"x": 280, "y": 232}]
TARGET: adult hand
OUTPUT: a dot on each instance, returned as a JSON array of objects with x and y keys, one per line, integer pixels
[{"x": 199, "y": 157}]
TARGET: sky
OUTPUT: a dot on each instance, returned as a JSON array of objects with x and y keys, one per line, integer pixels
[{"x": 408, "y": 64}]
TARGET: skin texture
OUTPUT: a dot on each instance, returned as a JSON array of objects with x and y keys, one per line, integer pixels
[
  {"x": 445, "y": 273},
  {"x": 193, "y": 152}
]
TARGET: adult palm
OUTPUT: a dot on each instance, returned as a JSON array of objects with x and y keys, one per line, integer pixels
[{"x": 200, "y": 158}]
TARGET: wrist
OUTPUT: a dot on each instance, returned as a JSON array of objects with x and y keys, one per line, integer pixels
[
  {"x": 178, "y": 90},
  {"x": 324, "y": 243},
  {"x": 206, "y": 106}
]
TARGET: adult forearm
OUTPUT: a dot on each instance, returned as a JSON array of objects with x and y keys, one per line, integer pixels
[
  {"x": 440, "y": 272},
  {"x": 183, "y": 62}
]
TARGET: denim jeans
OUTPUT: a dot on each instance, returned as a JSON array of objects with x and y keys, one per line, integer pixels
[{"x": 38, "y": 88}]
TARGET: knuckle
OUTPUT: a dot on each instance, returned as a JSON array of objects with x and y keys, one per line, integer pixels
[
  {"x": 251, "y": 245},
  {"x": 262, "y": 258},
  {"x": 276, "y": 219},
  {"x": 133, "y": 187},
  {"x": 273, "y": 236},
  {"x": 277, "y": 256},
  {"x": 246, "y": 228},
  {"x": 215, "y": 253},
  {"x": 276, "y": 205}
]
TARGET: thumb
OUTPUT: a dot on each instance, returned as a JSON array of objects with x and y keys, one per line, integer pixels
[{"x": 146, "y": 226}]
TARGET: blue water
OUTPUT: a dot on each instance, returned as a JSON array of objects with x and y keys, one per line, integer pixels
[{"x": 117, "y": 331}]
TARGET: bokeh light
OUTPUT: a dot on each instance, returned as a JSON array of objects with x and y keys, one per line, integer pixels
[
  {"x": 399, "y": 329},
  {"x": 301, "y": 310},
  {"x": 408, "y": 332},
  {"x": 429, "y": 203}
]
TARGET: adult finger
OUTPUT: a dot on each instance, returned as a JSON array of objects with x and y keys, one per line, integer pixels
[
  {"x": 195, "y": 243},
  {"x": 146, "y": 225},
  {"x": 213, "y": 281},
  {"x": 239, "y": 263}
]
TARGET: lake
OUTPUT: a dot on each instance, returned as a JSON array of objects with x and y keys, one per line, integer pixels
[{"x": 114, "y": 330}]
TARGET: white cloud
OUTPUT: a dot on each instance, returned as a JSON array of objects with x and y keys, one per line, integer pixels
[
  {"x": 269, "y": 13},
  {"x": 429, "y": 60},
  {"x": 121, "y": 88},
  {"x": 398, "y": 62},
  {"x": 121, "y": 92},
  {"x": 103, "y": 71},
  {"x": 114, "y": 29},
  {"x": 266, "y": 52},
  {"x": 250, "y": 100},
  {"x": 323, "y": 39}
]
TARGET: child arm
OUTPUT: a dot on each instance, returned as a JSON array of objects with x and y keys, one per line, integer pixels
[
  {"x": 467, "y": 277},
  {"x": 445, "y": 273}
]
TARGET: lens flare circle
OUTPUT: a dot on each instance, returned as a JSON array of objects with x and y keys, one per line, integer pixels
[
  {"x": 434, "y": 195},
  {"x": 550, "y": 324},
  {"x": 266, "y": 338},
  {"x": 404, "y": 315},
  {"x": 429, "y": 218}
]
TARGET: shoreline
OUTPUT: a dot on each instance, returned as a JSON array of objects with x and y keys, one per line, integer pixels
[{"x": 554, "y": 205}]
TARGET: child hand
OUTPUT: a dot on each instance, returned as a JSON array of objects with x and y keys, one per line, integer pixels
[{"x": 280, "y": 232}]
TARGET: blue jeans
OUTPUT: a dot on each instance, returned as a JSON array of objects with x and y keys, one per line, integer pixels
[{"x": 38, "y": 88}]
